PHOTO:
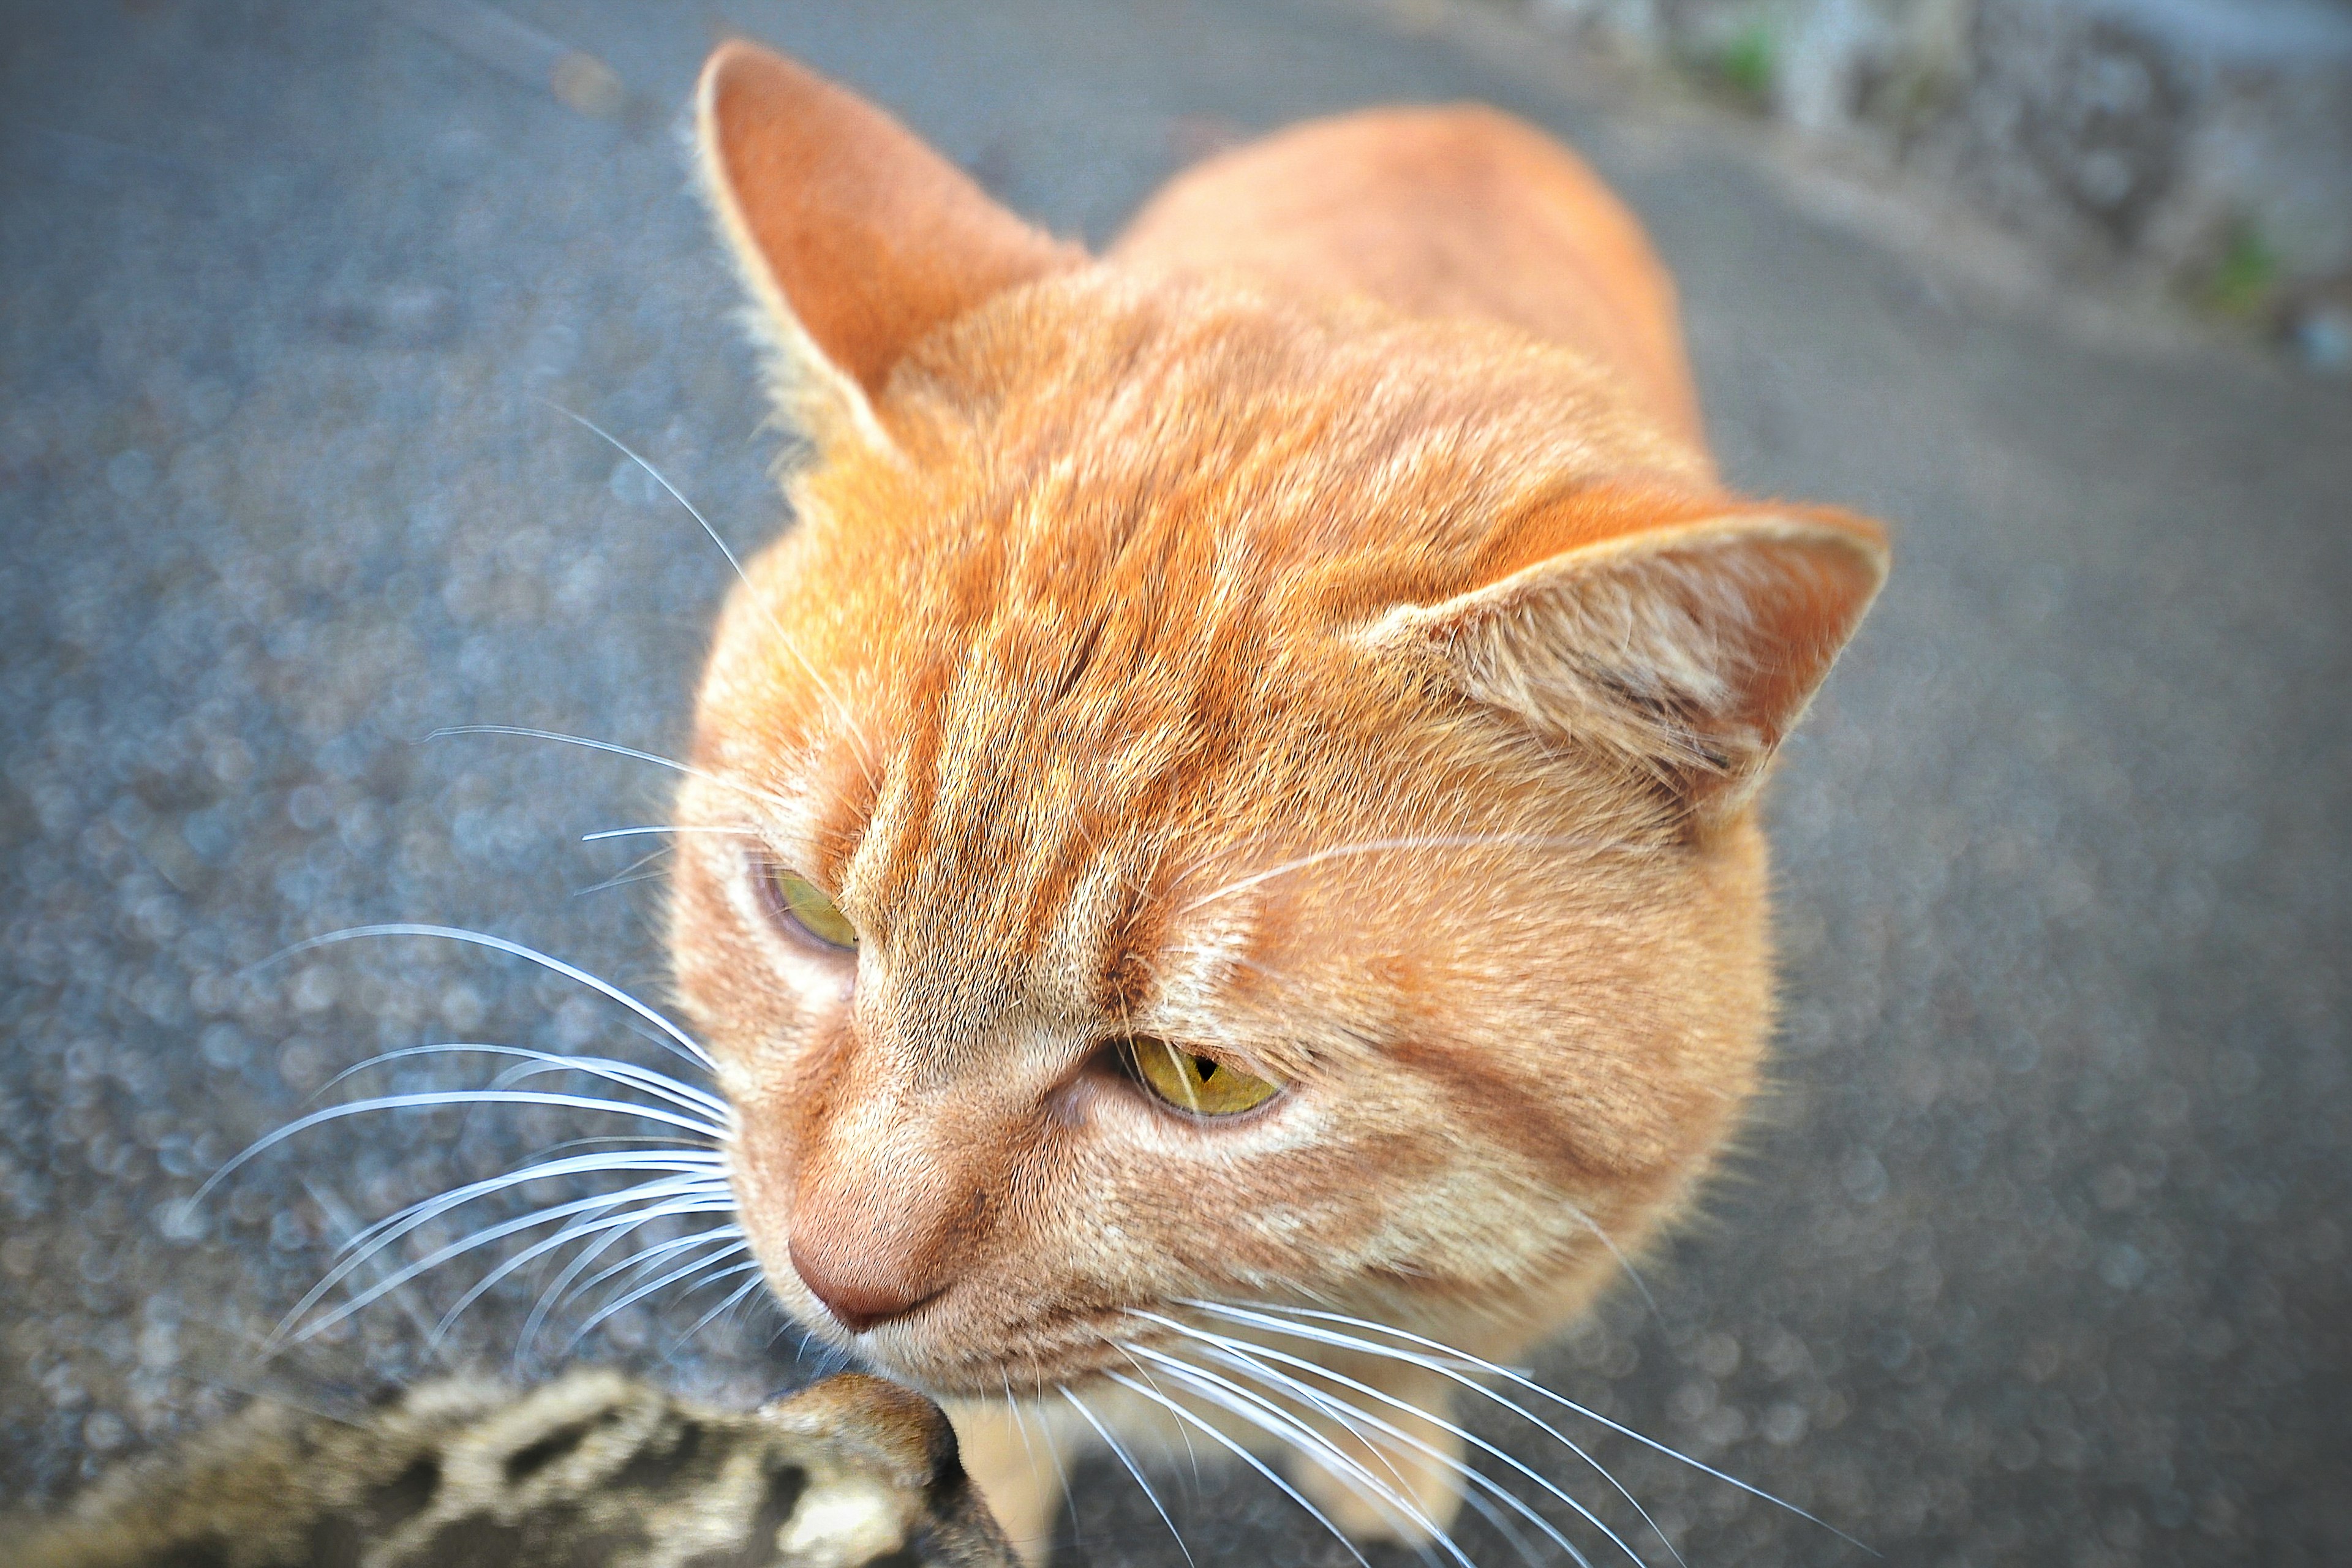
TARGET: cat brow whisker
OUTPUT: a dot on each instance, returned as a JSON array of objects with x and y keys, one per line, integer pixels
[
  {"x": 679, "y": 1038},
  {"x": 1277, "y": 1422},
  {"x": 1224, "y": 1346},
  {"x": 1132, "y": 1469},
  {"x": 611, "y": 749},
  {"x": 1190, "y": 1420},
  {"x": 1507, "y": 1374},
  {"x": 598, "y": 836},
  {"x": 824, "y": 689},
  {"x": 1422, "y": 841},
  {"x": 635, "y": 871}
]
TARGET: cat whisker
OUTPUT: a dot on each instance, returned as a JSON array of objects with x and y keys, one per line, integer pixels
[
  {"x": 427, "y": 1097},
  {"x": 1223, "y": 1348},
  {"x": 1191, "y": 1454},
  {"x": 1132, "y": 1469},
  {"x": 635, "y": 871},
  {"x": 1274, "y": 1420},
  {"x": 614, "y": 749},
  {"x": 1508, "y": 1375},
  {"x": 824, "y": 689},
  {"x": 684, "y": 1272},
  {"x": 1189, "y": 1418},
  {"x": 677, "y": 1164},
  {"x": 1354, "y": 1419},
  {"x": 755, "y": 1283},
  {"x": 679, "y": 1039},
  {"x": 614, "y": 1227},
  {"x": 342, "y": 1219},
  {"x": 1419, "y": 841},
  {"x": 642, "y": 1262},
  {"x": 611, "y": 1069},
  {"x": 1640, "y": 1284},
  {"x": 600, "y": 837},
  {"x": 1448, "y": 1364},
  {"x": 654, "y": 1191}
]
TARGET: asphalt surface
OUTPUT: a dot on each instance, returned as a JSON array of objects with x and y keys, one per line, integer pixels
[{"x": 2039, "y": 1256}]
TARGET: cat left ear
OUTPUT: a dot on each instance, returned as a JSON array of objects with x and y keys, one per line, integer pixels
[
  {"x": 855, "y": 238},
  {"x": 1687, "y": 653}
]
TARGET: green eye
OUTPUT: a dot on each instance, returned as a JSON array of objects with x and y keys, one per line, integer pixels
[
  {"x": 799, "y": 902},
  {"x": 1201, "y": 1085}
]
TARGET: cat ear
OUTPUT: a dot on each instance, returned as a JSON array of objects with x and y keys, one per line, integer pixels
[
  {"x": 855, "y": 238},
  {"x": 1686, "y": 652}
]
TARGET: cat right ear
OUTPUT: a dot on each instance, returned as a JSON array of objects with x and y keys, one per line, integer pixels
[{"x": 855, "y": 238}]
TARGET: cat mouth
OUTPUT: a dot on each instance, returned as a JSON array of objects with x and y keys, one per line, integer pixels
[{"x": 1068, "y": 1350}]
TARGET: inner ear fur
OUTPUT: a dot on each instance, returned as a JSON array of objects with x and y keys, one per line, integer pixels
[
  {"x": 1687, "y": 653},
  {"x": 855, "y": 238}
]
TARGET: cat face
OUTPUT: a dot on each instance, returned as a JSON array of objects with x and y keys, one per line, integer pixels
[{"x": 1218, "y": 794}]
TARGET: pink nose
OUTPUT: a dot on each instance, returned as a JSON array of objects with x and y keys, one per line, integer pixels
[{"x": 856, "y": 1305}]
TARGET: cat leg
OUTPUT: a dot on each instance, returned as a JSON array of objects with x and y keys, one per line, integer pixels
[
  {"x": 1418, "y": 1468},
  {"x": 1015, "y": 1460}
]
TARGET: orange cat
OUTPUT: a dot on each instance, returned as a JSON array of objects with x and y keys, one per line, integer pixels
[{"x": 1235, "y": 799}]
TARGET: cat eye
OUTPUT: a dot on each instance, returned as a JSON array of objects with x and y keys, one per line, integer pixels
[
  {"x": 1200, "y": 1085},
  {"x": 799, "y": 903}
]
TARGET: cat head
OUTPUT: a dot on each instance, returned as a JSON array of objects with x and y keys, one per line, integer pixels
[{"x": 1217, "y": 794}]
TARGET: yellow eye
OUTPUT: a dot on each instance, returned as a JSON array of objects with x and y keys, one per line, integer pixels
[
  {"x": 800, "y": 902},
  {"x": 1201, "y": 1085}
]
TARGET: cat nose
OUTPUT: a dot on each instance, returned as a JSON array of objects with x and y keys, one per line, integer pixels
[{"x": 857, "y": 1304}]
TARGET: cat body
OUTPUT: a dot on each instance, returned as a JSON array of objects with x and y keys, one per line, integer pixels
[{"x": 1235, "y": 799}]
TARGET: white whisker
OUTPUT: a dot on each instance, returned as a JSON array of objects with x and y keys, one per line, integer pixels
[
  {"x": 1231, "y": 1351},
  {"x": 1271, "y": 1418},
  {"x": 635, "y": 871},
  {"x": 750, "y": 1285},
  {"x": 685, "y": 1271},
  {"x": 1509, "y": 1376},
  {"x": 1190, "y": 1420},
  {"x": 1132, "y": 1469},
  {"x": 611, "y": 1069},
  {"x": 643, "y": 1191},
  {"x": 824, "y": 689},
  {"x": 606, "y": 989},
  {"x": 429, "y": 1098},
  {"x": 1355, "y": 1418},
  {"x": 641, "y": 1262},
  {"x": 612, "y": 1227},
  {"x": 669, "y": 828},
  {"x": 1423, "y": 841}
]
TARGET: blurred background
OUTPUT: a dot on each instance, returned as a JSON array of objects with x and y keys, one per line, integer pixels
[{"x": 2038, "y": 1253}]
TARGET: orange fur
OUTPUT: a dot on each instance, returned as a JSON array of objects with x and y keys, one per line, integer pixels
[{"x": 1313, "y": 634}]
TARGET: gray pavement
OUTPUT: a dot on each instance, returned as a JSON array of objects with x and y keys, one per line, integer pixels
[{"x": 2039, "y": 1254}]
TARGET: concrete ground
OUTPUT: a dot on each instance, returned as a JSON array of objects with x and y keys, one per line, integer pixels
[{"x": 2040, "y": 1255}]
